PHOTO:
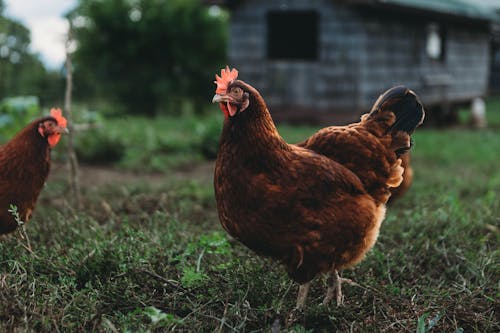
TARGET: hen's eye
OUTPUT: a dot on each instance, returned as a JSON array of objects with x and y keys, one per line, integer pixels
[{"x": 237, "y": 91}]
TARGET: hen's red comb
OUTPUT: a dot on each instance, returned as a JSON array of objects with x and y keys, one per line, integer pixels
[
  {"x": 226, "y": 76},
  {"x": 57, "y": 114}
]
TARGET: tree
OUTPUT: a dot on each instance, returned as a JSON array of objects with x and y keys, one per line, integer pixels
[
  {"x": 149, "y": 54},
  {"x": 21, "y": 72}
]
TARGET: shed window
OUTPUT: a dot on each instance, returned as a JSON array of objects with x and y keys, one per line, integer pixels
[
  {"x": 435, "y": 44},
  {"x": 292, "y": 35}
]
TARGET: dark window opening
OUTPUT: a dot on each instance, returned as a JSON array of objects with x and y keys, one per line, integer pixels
[
  {"x": 292, "y": 35},
  {"x": 495, "y": 67}
]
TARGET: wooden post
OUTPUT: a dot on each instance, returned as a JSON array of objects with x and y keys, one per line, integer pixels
[
  {"x": 72, "y": 160},
  {"x": 478, "y": 113}
]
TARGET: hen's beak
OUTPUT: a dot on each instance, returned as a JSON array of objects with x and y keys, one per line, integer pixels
[
  {"x": 61, "y": 130},
  {"x": 221, "y": 99},
  {"x": 227, "y": 103}
]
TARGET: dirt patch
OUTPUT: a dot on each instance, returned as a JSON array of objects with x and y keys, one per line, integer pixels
[
  {"x": 96, "y": 176},
  {"x": 108, "y": 205}
]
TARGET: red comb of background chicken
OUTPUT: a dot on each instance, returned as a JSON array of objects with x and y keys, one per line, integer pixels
[
  {"x": 226, "y": 76},
  {"x": 57, "y": 114}
]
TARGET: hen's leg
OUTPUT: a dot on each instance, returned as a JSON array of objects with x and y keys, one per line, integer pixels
[
  {"x": 335, "y": 287},
  {"x": 302, "y": 295},
  {"x": 301, "y": 302}
]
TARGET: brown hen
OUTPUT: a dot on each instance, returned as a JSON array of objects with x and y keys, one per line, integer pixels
[
  {"x": 370, "y": 148},
  {"x": 302, "y": 207},
  {"x": 24, "y": 167}
]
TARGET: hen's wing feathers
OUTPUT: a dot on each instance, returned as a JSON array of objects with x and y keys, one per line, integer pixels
[{"x": 310, "y": 183}]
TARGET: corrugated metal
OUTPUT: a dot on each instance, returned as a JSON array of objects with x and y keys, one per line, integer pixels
[
  {"x": 466, "y": 8},
  {"x": 473, "y": 9}
]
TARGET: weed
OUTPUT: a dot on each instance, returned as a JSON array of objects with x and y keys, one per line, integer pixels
[{"x": 20, "y": 226}]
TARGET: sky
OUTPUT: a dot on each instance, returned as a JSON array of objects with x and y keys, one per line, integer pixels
[{"x": 48, "y": 28}]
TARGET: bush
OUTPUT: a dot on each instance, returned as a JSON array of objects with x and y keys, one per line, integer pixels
[
  {"x": 98, "y": 147},
  {"x": 210, "y": 134},
  {"x": 16, "y": 113}
]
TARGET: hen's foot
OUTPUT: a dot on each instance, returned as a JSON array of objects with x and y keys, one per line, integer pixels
[
  {"x": 335, "y": 288},
  {"x": 297, "y": 312},
  {"x": 302, "y": 295}
]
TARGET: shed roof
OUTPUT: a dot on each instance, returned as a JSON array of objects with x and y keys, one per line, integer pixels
[
  {"x": 483, "y": 10},
  {"x": 472, "y": 9}
]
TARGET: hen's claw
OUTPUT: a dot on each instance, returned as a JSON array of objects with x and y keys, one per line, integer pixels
[{"x": 335, "y": 288}]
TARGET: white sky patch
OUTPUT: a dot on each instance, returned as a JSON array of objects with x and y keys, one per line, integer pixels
[
  {"x": 48, "y": 38},
  {"x": 48, "y": 27}
]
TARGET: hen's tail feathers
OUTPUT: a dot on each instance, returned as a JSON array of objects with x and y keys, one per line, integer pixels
[
  {"x": 405, "y": 105},
  {"x": 398, "y": 111}
]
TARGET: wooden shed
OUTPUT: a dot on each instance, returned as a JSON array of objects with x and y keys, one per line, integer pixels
[
  {"x": 495, "y": 61},
  {"x": 494, "y": 6},
  {"x": 328, "y": 60}
]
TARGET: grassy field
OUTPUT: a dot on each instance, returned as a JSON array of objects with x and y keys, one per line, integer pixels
[{"x": 147, "y": 254}]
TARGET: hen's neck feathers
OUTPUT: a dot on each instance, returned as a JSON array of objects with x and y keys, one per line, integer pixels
[
  {"x": 28, "y": 146},
  {"x": 253, "y": 130}
]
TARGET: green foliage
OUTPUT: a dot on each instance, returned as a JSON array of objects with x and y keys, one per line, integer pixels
[
  {"x": 21, "y": 71},
  {"x": 13, "y": 211},
  {"x": 422, "y": 327},
  {"x": 216, "y": 243},
  {"x": 96, "y": 146},
  {"x": 209, "y": 134},
  {"x": 156, "y": 144},
  {"x": 170, "y": 50},
  {"x": 493, "y": 111},
  {"x": 191, "y": 278},
  {"x": 15, "y": 114},
  {"x": 156, "y": 316}
]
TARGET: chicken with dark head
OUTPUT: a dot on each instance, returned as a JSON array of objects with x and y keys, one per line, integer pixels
[
  {"x": 24, "y": 167},
  {"x": 297, "y": 205},
  {"x": 376, "y": 146}
]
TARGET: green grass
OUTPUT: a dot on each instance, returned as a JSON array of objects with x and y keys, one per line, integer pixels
[
  {"x": 493, "y": 111},
  {"x": 154, "y": 144},
  {"x": 141, "y": 144},
  {"x": 152, "y": 257}
]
